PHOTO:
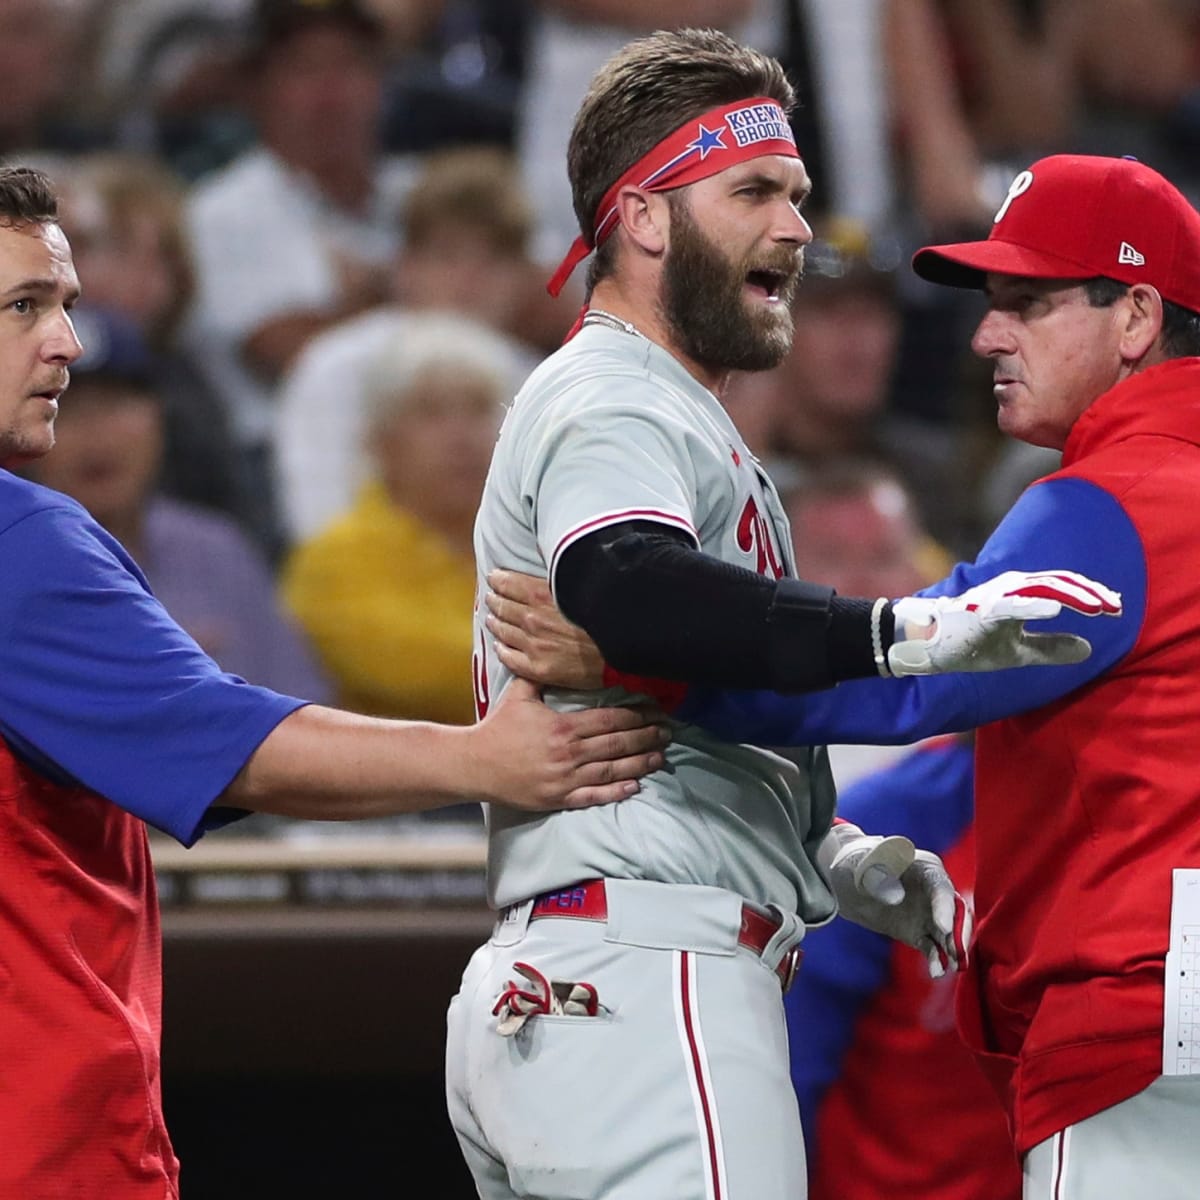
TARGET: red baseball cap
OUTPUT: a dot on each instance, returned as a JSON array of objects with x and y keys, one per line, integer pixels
[{"x": 1076, "y": 216}]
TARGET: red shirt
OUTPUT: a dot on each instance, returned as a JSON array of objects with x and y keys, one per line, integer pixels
[
  {"x": 80, "y": 998},
  {"x": 1084, "y": 806}
]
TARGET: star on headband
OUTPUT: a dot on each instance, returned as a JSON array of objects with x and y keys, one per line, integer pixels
[{"x": 708, "y": 140}]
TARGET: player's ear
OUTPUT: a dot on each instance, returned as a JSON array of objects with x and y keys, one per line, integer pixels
[
  {"x": 643, "y": 216},
  {"x": 1143, "y": 320}
]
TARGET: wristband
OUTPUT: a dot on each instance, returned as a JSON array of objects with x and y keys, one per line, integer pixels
[{"x": 881, "y": 662}]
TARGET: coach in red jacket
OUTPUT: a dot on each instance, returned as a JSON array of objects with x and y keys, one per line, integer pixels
[{"x": 1088, "y": 777}]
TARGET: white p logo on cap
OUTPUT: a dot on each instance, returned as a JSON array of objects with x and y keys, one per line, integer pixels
[{"x": 1018, "y": 187}]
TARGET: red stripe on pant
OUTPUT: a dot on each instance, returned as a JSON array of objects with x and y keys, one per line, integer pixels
[
  {"x": 1060, "y": 1164},
  {"x": 689, "y": 1023}
]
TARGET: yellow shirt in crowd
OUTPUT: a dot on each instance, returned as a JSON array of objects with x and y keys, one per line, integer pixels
[{"x": 388, "y": 605}]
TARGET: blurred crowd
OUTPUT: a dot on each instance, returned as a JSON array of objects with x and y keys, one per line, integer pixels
[{"x": 313, "y": 238}]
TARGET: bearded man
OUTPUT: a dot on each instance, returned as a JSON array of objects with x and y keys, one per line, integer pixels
[{"x": 637, "y": 1047}]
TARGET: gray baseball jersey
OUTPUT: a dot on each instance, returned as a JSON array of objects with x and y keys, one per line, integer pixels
[{"x": 612, "y": 428}]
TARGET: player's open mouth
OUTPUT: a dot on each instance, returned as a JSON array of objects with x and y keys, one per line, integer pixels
[{"x": 767, "y": 283}]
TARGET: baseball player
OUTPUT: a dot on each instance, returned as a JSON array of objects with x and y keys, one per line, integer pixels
[{"x": 622, "y": 1033}]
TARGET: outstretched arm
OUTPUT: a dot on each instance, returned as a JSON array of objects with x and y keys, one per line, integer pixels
[
  {"x": 1065, "y": 521},
  {"x": 325, "y": 764}
]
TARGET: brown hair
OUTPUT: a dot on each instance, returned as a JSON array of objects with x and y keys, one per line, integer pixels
[
  {"x": 645, "y": 92},
  {"x": 475, "y": 186},
  {"x": 129, "y": 185},
  {"x": 27, "y": 197}
]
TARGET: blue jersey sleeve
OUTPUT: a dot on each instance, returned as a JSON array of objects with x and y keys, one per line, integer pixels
[
  {"x": 1062, "y": 523},
  {"x": 98, "y": 686},
  {"x": 928, "y": 797}
]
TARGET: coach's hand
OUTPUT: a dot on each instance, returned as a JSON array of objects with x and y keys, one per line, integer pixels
[
  {"x": 984, "y": 628},
  {"x": 527, "y": 755},
  {"x": 534, "y": 640},
  {"x": 885, "y": 884}
]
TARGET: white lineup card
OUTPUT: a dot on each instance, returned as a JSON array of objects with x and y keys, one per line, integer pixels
[{"x": 1181, "y": 1000}]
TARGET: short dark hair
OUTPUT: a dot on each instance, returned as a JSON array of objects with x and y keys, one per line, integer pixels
[
  {"x": 274, "y": 22},
  {"x": 27, "y": 197},
  {"x": 1180, "y": 328},
  {"x": 646, "y": 91}
]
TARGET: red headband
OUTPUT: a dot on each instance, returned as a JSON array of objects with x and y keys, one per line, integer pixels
[{"x": 717, "y": 139}]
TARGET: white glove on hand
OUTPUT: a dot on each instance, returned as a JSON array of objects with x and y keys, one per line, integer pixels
[
  {"x": 885, "y": 884},
  {"x": 984, "y": 628}
]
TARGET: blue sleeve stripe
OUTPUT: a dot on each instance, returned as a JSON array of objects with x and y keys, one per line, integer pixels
[{"x": 1062, "y": 523}]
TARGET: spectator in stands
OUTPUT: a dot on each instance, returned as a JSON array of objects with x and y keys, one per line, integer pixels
[
  {"x": 467, "y": 227},
  {"x": 169, "y": 76},
  {"x": 891, "y": 1100},
  {"x": 386, "y": 592},
  {"x": 206, "y": 572},
  {"x": 295, "y": 234},
  {"x": 855, "y": 526},
  {"x": 43, "y": 47},
  {"x": 124, "y": 215},
  {"x": 831, "y": 396}
]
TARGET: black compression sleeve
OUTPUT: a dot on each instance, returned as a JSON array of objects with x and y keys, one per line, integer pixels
[{"x": 657, "y": 606}]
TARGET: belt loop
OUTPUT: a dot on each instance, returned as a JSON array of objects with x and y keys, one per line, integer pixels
[
  {"x": 784, "y": 940},
  {"x": 512, "y": 923}
]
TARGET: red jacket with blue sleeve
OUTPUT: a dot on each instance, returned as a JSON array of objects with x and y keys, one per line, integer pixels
[
  {"x": 1087, "y": 777},
  {"x": 892, "y": 1102},
  {"x": 110, "y": 716}
]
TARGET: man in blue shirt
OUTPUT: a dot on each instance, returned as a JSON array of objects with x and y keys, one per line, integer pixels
[{"x": 111, "y": 716}]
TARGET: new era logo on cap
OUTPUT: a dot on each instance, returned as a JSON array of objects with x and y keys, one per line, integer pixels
[{"x": 1079, "y": 216}]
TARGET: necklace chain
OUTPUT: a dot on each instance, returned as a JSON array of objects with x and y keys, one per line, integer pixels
[{"x": 597, "y": 316}]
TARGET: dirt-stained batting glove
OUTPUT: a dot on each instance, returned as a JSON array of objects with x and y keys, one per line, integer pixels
[
  {"x": 984, "y": 628},
  {"x": 535, "y": 995},
  {"x": 887, "y": 885}
]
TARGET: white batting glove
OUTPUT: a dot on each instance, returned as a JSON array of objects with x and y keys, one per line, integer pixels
[
  {"x": 984, "y": 628},
  {"x": 887, "y": 885}
]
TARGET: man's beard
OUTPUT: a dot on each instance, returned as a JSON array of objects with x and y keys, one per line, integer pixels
[
  {"x": 706, "y": 309},
  {"x": 20, "y": 445}
]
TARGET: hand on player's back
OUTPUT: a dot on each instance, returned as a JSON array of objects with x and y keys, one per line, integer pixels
[
  {"x": 532, "y": 757},
  {"x": 534, "y": 640}
]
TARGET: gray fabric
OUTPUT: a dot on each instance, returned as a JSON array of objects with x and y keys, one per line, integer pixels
[
  {"x": 608, "y": 429},
  {"x": 1145, "y": 1148}
]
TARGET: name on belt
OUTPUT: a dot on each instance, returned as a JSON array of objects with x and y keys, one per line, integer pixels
[
  {"x": 758, "y": 123},
  {"x": 571, "y": 898}
]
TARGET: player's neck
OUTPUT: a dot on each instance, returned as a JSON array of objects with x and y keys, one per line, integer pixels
[{"x": 628, "y": 306}]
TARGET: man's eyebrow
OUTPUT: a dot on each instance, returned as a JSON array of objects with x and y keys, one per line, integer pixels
[
  {"x": 770, "y": 180},
  {"x": 41, "y": 286},
  {"x": 36, "y": 284}
]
